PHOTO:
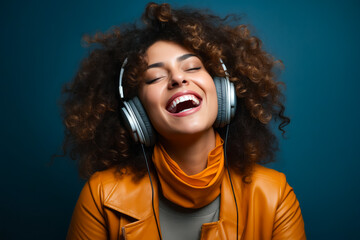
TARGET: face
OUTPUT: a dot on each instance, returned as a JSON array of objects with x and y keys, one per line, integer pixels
[{"x": 177, "y": 92}]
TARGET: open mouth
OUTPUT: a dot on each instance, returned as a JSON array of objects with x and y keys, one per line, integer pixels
[{"x": 183, "y": 103}]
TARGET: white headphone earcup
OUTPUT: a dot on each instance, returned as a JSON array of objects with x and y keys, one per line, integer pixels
[
  {"x": 137, "y": 122},
  {"x": 226, "y": 101}
]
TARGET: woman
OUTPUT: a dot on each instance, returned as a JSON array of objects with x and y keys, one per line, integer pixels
[{"x": 179, "y": 85}]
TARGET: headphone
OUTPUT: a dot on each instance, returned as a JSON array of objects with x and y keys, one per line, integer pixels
[{"x": 139, "y": 125}]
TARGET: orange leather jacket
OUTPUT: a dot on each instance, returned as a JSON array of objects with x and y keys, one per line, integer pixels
[{"x": 118, "y": 207}]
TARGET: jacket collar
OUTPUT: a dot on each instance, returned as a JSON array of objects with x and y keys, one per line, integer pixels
[{"x": 133, "y": 197}]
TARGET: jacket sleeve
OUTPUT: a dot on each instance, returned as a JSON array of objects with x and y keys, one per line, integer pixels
[
  {"x": 88, "y": 219},
  {"x": 288, "y": 223}
]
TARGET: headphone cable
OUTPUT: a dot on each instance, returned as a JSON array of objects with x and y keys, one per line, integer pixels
[
  {"x": 232, "y": 187},
  {"x": 152, "y": 191}
]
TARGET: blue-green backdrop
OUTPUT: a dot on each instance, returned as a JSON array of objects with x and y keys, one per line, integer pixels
[{"x": 318, "y": 42}]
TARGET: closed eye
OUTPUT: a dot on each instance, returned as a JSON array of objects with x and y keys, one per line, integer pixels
[
  {"x": 193, "y": 69},
  {"x": 153, "y": 80}
]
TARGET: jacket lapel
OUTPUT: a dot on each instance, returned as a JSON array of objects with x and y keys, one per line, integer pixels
[{"x": 133, "y": 198}]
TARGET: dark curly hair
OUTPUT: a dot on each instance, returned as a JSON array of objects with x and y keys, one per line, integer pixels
[{"x": 95, "y": 134}]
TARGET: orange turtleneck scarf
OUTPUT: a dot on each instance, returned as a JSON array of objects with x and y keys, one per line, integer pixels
[{"x": 193, "y": 191}]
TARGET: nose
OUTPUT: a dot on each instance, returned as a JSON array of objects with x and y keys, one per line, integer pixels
[{"x": 177, "y": 79}]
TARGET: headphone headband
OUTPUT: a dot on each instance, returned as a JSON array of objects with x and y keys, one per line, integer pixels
[{"x": 120, "y": 78}]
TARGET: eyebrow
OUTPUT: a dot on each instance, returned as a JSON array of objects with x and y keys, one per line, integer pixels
[{"x": 179, "y": 59}]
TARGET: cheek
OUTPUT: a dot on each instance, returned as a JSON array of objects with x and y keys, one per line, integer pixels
[
  {"x": 214, "y": 101},
  {"x": 151, "y": 102},
  {"x": 209, "y": 87}
]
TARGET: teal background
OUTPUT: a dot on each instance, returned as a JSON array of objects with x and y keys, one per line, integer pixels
[{"x": 318, "y": 42}]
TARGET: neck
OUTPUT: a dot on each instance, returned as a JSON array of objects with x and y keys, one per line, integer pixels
[{"x": 190, "y": 152}]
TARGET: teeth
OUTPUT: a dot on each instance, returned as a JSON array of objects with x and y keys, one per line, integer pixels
[
  {"x": 183, "y": 98},
  {"x": 185, "y": 110}
]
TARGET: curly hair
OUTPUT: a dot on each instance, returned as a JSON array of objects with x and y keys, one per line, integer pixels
[{"x": 95, "y": 134}]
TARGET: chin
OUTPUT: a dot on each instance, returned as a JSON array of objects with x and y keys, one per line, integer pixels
[{"x": 188, "y": 130}]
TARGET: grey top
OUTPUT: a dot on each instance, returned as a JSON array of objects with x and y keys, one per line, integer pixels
[{"x": 178, "y": 223}]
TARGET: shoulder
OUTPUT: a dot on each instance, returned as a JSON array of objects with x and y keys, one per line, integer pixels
[
  {"x": 261, "y": 174},
  {"x": 112, "y": 183},
  {"x": 107, "y": 177},
  {"x": 266, "y": 182},
  {"x": 106, "y": 181}
]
